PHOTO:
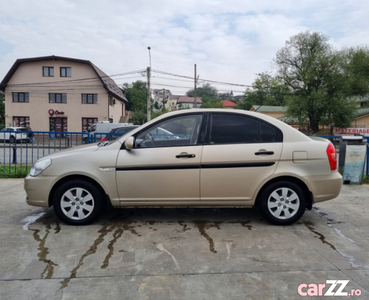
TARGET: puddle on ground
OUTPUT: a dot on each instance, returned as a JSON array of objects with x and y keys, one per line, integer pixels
[
  {"x": 31, "y": 219},
  {"x": 310, "y": 226},
  {"x": 116, "y": 227},
  {"x": 202, "y": 226},
  {"x": 43, "y": 251},
  {"x": 351, "y": 259}
]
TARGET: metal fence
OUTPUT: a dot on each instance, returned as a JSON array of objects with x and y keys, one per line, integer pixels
[{"x": 18, "y": 157}]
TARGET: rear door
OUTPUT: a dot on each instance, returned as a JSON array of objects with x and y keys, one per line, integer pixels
[{"x": 239, "y": 153}]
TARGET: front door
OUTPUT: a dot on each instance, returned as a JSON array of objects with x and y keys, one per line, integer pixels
[
  {"x": 58, "y": 125},
  {"x": 164, "y": 165}
]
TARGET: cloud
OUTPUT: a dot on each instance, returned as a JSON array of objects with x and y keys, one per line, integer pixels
[{"x": 230, "y": 41}]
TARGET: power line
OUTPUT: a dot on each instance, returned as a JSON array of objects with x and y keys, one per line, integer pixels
[{"x": 142, "y": 72}]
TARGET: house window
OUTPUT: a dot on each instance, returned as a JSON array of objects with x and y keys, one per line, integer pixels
[
  {"x": 87, "y": 123},
  {"x": 65, "y": 72},
  {"x": 111, "y": 101},
  {"x": 89, "y": 98},
  {"x": 48, "y": 71},
  {"x": 21, "y": 121},
  {"x": 21, "y": 97},
  {"x": 57, "y": 98}
]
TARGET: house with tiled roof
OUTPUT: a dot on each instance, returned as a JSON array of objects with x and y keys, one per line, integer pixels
[
  {"x": 229, "y": 104},
  {"x": 188, "y": 102},
  {"x": 61, "y": 94},
  {"x": 362, "y": 113}
]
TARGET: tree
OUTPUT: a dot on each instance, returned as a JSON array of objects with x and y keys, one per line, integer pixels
[
  {"x": 266, "y": 90},
  {"x": 313, "y": 73},
  {"x": 225, "y": 96},
  {"x": 136, "y": 94},
  {"x": 355, "y": 63},
  {"x": 205, "y": 89},
  {"x": 208, "y": 94},
  {"x": 212, "y": 104}
]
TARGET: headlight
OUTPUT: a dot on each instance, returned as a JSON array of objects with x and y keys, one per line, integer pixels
[{"x": 39, "y": 167}]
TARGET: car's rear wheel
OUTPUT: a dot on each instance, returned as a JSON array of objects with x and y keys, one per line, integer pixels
[
  {"x": 78, "y": 202},
  {"x": 282, "y": 203},
  {"x": 12, "y": 140}
]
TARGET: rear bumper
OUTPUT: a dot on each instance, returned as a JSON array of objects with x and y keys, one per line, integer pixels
[{"x": 325, "y": 187}]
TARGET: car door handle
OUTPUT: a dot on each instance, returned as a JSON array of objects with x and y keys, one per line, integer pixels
[
  {"x": 185, "y": 155},
  {"x": 264, "y": 153}
]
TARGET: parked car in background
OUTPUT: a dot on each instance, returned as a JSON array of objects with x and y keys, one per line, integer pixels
[
  {"x": 212, "y": 157},
  {"x": 12, "y": 134},
  {"x": 118, "y": 132},
  {"x": 99, "y": 129}
]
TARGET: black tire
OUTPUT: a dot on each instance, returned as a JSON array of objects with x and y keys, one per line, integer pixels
[
  {"x": 78, "y": 202},
  {"x": 12, "y": 140},
  {"x": 282, "y": 203}
]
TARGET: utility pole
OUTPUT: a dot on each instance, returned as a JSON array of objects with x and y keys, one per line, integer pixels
[
  {"x": 163, "y": 108},
  {"x": 148, "y": 88},
  {"x": 195, "y": 104}
]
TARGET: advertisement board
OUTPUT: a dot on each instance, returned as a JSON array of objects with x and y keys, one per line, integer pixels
[{"x": 354, "y": 164}]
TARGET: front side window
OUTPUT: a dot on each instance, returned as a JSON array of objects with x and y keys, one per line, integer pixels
[
  {"x": 237, "y": 129},
  {"x": 57, "y": 98},
  {"x": 65, "y": 72},
  {"x": 48, "y": 71},
  {"x": 89, "y": 98},
  {"x": 21, "y": 97},
  {"x": 178, "y": 131}
]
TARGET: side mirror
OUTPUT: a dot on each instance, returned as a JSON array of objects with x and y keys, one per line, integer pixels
[{"x": 129, "y": 143}]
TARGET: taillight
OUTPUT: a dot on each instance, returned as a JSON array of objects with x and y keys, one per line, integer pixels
[
  {"x": 332, "y": 156},
  {"x": 104, "y": 139}
]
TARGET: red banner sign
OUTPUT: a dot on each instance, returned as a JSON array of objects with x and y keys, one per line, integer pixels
[{"x": 362, "y": 131}]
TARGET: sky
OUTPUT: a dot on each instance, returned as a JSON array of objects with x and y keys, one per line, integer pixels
[{"x": 230, "y": 42}]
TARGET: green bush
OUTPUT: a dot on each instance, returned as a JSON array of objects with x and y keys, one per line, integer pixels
[{"x": 14, "y": 171}]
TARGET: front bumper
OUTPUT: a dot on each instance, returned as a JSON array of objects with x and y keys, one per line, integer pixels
[{"x": 38, "y": 190}]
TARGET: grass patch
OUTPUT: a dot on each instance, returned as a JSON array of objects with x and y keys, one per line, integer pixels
[
  {"x": 366, "y": 179},
  {"x": 14, "y": 171}
]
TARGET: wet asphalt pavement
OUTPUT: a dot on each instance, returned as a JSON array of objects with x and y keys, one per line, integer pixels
[{"x": 184, "y": 253}]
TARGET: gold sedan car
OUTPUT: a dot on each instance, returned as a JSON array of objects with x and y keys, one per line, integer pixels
[{"x": 195, "y": 157}]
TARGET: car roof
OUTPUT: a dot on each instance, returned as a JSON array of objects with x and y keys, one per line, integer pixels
[
  {"x": 130, "y": 127},
  {"x": 16, "y": 127}
]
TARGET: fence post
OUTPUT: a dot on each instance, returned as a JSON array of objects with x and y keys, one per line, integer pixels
[{"x": 14, "y": 155}]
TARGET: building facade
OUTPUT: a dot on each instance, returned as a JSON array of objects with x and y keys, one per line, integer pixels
[
  {"x": 60, "y": 94},
  {"x": 164, "y": 100}
]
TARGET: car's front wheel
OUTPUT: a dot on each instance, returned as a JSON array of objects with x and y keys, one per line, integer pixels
[
  {"x": 78, "y": 202},
  {"x": 282, "y": 203}
]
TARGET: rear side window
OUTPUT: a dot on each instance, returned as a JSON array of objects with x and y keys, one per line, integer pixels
[
  {"x": 238, "y": 129},
  {"x": 270, "y": 133},
  {"x": 231, "y": 129}
]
